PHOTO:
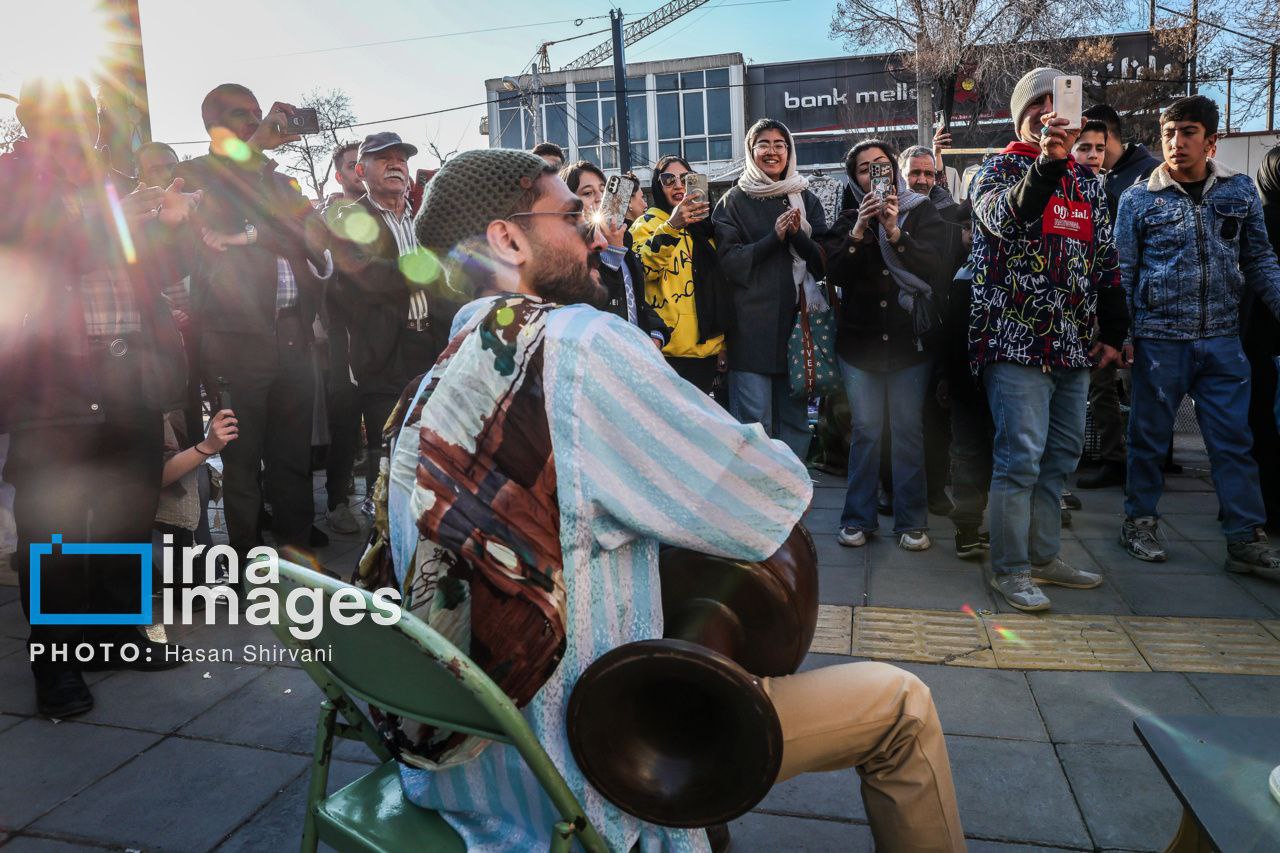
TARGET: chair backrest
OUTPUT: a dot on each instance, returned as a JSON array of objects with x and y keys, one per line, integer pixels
[
  {"x": 409, "y": 669},
  {"x": 405, "y": 668}
]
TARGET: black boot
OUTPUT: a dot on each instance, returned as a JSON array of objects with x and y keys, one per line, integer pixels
[
  {"x": 1110, "y": 474},
  {"x": 62, "y": 693}
]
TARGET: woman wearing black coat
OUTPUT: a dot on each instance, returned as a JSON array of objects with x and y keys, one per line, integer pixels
[
  {"x": 767, "y": 233},
  {"x": 883, "y": 253}
]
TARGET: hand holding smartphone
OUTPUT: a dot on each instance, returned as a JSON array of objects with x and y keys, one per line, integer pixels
[{"x": 613, "y": 204}]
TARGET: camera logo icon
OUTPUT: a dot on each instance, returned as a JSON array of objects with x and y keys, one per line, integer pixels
[{"x": 115, "y": 549}]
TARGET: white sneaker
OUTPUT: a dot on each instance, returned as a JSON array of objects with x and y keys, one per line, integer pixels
[
  {"x": 342, "y": 521},
  {"x": 914, "y": 540},
  {"x": 851, "y": 537}
]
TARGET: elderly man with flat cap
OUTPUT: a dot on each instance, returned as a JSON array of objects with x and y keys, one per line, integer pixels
[
  {"x": 533, "y": 473},
  {"x": 397, "y": 320}
]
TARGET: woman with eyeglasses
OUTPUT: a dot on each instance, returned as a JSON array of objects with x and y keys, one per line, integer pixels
[
  {"x": 767, "y": 228},
  {"x": 884, "y": 253},
  {"x": 676, "y": 244}
]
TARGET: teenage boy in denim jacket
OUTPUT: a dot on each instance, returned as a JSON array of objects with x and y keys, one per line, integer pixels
[{"x": 1191, "y": 239}]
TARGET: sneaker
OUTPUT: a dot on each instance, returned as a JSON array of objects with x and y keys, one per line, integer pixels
[
  {"x": 366, "y": 507},
  {"x": 1058, "y": 572},
  {"x": 914, "y": 540},
  {"x": 968, "y": 543},
  {"x": 1141, "y": 537},
  {"x": 1256, "y": 557},
  {"x": 851, "y": 537},
  {"x": 1069, "y": 501},
  {"x": 1066, "y": 517},
  {"x": 341, "y": 520},
  {"x": 1018, "y": 589},
  {"x": 1110, "y": 474},
  {"x": 62, "y": 694},
  {"x": 984, "y": 539}
]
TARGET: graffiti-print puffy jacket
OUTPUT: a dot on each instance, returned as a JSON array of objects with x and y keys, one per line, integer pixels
[
  {"x": 1184, "y": 266},
  {"x": 1038, "y": 295}
]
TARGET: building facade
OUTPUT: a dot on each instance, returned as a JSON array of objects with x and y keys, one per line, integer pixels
[{"x": 700, "y": 107}]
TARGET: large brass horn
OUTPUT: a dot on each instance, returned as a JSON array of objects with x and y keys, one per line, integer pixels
[{"x": 679, "y": 731}]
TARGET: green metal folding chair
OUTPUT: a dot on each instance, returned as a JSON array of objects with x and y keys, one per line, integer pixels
[{"x": 410, "y": 670}]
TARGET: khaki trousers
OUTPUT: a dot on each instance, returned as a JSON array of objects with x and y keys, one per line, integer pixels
[{"x": 881, "y": 720}]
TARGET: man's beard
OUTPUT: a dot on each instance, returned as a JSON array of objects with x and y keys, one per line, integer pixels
[{"x": 578, "y": 285}]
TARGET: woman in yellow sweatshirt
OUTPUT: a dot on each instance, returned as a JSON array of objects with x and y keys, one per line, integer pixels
[{"x": 674, "y": 240}]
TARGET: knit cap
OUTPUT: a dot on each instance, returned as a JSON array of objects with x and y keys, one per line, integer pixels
[
  {"x": 472, "y": 190},
  {"x": 1033, "y": 86}
]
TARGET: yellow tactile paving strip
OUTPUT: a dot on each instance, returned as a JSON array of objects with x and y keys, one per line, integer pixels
[
  {"x": 1051, "y": 641},
  {"x": 929, "y": 636},
  {"x": 1205, "y": 645}
]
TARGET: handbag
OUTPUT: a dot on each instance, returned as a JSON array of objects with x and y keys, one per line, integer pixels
[{"x": 811, "y": 350}]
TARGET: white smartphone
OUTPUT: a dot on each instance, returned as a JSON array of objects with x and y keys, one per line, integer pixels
[
  {"x": 617, "y": 195},
  {"x": 1068, "y": 98}
]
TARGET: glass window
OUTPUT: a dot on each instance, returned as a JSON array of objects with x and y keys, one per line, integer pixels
[
  {"x": 691, "y": 80},
  {"x": 588, "y": 123},
  {"x": 509, "y": 129},
  {"x": 665, "y": 82},
  {"x": 591, "y": 155},
  {"x": 717, "y": 77},
  {"x": 639, "y": 155},
  {"x": 694, "y": 124},
  {"x": 668, "y": 116},
  {"x": 584, "y": 91},
  {"x": 721, "y": 148},
  {"x": 719, "y": 119},
  {"x": 608, "y": 157},
  {"x": 555, "y": 120},
  {"x": 695, "y": 150},
  {"x": 608, "y": 122},
  {"x": 637, "y": 118},
  {"x": 670, "y": 146},
  {"x": 606, "y": 87}
]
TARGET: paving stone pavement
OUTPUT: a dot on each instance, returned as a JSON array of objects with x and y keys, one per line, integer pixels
[{"x": 214, "y": 755}]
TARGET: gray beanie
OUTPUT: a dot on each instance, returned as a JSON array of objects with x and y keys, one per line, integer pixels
[
  {"x": 472, "y": 190},
  {"x": 1033, "y": 86}
]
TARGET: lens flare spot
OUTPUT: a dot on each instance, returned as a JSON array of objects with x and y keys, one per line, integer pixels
[
  {"x": 227, "y": 144},
  {"x": 122, "y": 225},
  {"x": 968, "y": 611},
  {"x": 421, "y": 267},
  {"x": 505, "y": 316},
  {"x": 1008, "y": 634},
  {"x": 359, "y": 226}
]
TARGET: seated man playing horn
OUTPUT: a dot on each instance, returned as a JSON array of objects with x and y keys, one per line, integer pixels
[{"x": 532, "y": 475}]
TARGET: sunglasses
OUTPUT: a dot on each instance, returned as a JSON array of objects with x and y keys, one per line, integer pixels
[{"x": 669, "y": 179}]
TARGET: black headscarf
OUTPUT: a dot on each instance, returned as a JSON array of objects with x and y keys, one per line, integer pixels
[{"x": 710, "y": 302}]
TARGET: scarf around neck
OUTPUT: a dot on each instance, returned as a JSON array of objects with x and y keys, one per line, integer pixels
[{"x": 909, "y": 284}]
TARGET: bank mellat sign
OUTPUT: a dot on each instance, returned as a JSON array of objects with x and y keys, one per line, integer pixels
[{"x": 830, "y": 94}]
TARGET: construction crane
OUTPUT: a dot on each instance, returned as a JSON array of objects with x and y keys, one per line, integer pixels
[{"x": 633, "y": 32}]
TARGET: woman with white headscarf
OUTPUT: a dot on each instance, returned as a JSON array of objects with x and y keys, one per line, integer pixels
[
  {"x": 767, "y": 228},
  {"x": 885, "y": 254}
]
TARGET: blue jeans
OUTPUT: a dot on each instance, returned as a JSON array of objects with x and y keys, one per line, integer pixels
[
  {"x": 765, "y": 399},
  {"x": 903, "y": 391},
  {"x": 1039, "y": 434},
  {"x": 1215, "y": 372}
]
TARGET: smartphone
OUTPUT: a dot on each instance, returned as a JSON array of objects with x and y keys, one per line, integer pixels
[
  {"x": 419, "y": 187},
  {"x": 304, "y": 120},
  {"x": 1068, "y": 98},
  {"x": 940, "y": 120},
  {"x": 697, "y": 185},
  {"x": 617, "y": 197},
  {"x": 881, "y": 175},
  {"x": 222, "y": 399}
]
